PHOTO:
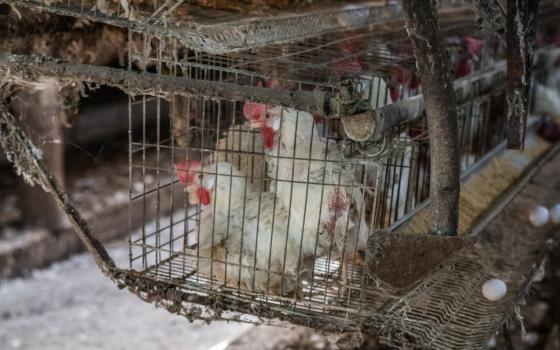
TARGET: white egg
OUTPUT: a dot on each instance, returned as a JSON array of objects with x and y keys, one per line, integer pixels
[
  {"x": 539, "y": 216},
  {"x": 494, "y": 289},
  {"x": 555, "y": 214}
]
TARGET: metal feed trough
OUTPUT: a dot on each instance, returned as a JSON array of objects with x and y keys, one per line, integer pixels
[{"x": 264, "y": 132}]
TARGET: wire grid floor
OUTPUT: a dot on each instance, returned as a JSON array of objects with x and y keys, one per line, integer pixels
[{"x": 320, "y": 300}]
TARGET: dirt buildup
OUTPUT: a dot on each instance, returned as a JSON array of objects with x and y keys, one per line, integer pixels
[
  {"x": 402, "y": 260},
  {"x": 12, "y": 141},
  {"x": 72, "y": 39}
]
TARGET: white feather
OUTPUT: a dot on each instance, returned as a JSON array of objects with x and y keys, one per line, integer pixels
[
  {"x": 249, "y": 247},
  {"x": 546, "y": 101},
  {"x": 308, "y": 173}
]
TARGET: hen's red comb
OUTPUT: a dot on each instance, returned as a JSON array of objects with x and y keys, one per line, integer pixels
[
  {"x": 185, "y": 170},
  {"x": 254, "y": 111}
]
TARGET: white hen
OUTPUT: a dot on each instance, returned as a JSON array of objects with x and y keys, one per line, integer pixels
[
  {"x": 242, "y": 147},
  {"x": 320, "y": 191},
  {"x": 243, "y": 240},
  {"x": 546, "y": 102}
]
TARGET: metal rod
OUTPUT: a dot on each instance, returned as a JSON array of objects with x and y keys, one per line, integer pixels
[
  {"x": 521, "y": 28},
  {"x": 411, "y": 109}
]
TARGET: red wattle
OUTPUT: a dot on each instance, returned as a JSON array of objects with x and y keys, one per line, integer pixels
[
  {"x": 203, "y": 196},
  {"x": 267, "y": 134}
]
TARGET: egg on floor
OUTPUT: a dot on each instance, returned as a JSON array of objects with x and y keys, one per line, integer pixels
[
  {"x": 539, "y": 216},
  {"x": 494, "y": 289},
  {"x": 555, "y": 214}
]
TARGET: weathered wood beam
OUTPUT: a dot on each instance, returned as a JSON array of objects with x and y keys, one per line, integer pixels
[
  {"x": 28, "y": 69},
  {"x": 521, "y": 27},
  {"x": 432, "y": 60}
]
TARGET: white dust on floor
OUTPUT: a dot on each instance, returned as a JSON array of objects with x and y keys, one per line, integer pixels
[{"x": 71, "y": 305}]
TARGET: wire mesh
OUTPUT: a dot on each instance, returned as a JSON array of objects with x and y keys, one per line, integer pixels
[
  {"x": 273, "y": 205},
  {"x": 223, "y": 26}
]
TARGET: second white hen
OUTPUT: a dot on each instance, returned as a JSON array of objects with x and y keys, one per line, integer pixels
[
  {"x": 242, "y": 238},
  {"x": 320, "y": 190}
]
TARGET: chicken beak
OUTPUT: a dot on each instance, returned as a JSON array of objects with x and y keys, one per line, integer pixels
[
  {"x": 192, "y": 191},
  {"x": 255, "y": 124}
]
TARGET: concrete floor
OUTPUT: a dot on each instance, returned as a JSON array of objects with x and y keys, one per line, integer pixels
[{"x": 71, "y": 305}]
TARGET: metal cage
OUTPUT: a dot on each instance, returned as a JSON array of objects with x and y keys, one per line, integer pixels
[{"x": 241, "y": 236}]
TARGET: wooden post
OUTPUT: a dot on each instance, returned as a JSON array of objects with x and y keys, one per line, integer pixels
[
  {"x": 422, "y": 24},
  {"x": 41, "y": 113},
  {"x": 521, "y": 22}
]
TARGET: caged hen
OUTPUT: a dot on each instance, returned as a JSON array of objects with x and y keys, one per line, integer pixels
[
  {"x": 310, "y": 179},
  {"x": 243, "y": 241}
]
